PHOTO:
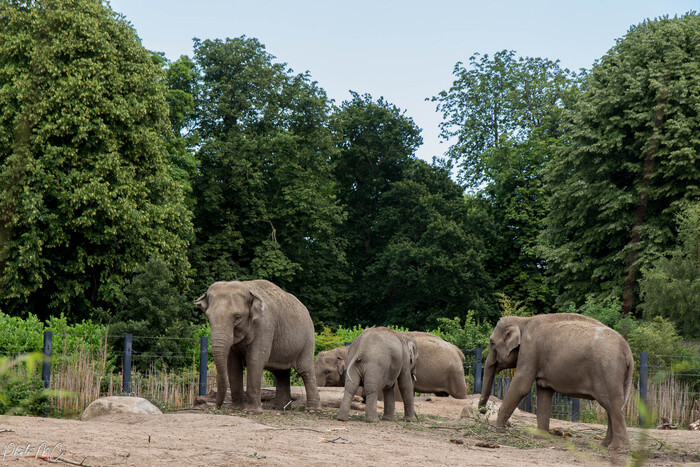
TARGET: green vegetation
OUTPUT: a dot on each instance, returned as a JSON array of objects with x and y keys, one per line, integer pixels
[{"x": 130, "y": 182}]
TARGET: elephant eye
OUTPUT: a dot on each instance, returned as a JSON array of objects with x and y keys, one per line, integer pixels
[
  {"x": 327, "y": 372},
  {"x": 236, "y": 318}
]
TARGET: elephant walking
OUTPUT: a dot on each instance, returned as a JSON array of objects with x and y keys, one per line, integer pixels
[
  {"x": 260, "y": 326},
  {"x": 566, "y": 353},
  {"x": 380, "y": 358}
]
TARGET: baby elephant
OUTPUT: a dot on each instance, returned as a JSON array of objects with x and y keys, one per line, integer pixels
[
  {"x": 440, "y": 368},
  {"x": 378, "y": 359}
]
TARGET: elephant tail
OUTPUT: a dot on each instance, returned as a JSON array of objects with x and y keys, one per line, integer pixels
[
  {"x": 629, "y": 381},
  {"x": 356, "y": 358}
]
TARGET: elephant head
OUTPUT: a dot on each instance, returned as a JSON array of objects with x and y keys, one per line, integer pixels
[
  {"x": 232, "y": 310},
  {"x": 504, "y": 344},
  {"x": 330, "y": 367}
]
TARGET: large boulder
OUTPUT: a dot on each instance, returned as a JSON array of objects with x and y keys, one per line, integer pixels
[{"x": 119, "y": 404}]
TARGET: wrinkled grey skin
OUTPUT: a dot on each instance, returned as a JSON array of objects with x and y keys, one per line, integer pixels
[
  {"x": 330, "y": 367},
  {"x": 566, "y": 353},
  {"x": 257, "y": 325},
  {"x": 378, "y": 359},
  {"x": 440, "y": 368}
]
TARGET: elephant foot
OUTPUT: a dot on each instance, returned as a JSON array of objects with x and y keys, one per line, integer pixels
[
  {"x": 618, "y": 446},
  {"x": 313, "y": 406},
  {"x": 372, "y": 420},
  {"x": 411, "y": 419},
  {"x": 254, "y": 410},
  {"x": 343, "y": 416},
  {"x": 388, "y": 418}
]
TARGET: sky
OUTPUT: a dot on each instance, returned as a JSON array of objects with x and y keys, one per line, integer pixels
[{"x": 402, "y": 50}]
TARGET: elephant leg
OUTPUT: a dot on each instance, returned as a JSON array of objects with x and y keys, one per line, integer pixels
[
  {"x": 283, "y": 393},
  {"x": 544, "y": 407},
  {"x": 352, "y": 382},
  {"x": 609, "y": 431},
  {"x": 253, "y": 383},
  {"x": 616, "y": 436},
  {"x": 235, "y": 377},
  {"x": 313, "y": 398},
  {"x": 371, "y": 383},
  {"x": 519, "y": 387},
  {"x": 389, "y": 404},
  {"x": 406, "y": 387}
]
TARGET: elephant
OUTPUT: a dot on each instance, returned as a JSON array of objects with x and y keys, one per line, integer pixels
[
  {"x": 566, "y": 353},
  {"x": 440, "y": 368},
  {"x": 258, "y": 325},
  {"x": 378, "y": 359},
  {"x": 330, "y": 367}
]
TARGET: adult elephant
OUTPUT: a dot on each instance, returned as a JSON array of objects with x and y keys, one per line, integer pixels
[
  {"x": 260, "y": 326},
  {"x": 566, "y": 353},
  {"x": 380, "y": 358},
  {"x": 440, "y": 368}
]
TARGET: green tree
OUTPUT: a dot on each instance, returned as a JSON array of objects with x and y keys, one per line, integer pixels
[
  {"x": 503, "y": 115},
  {"x": 428, "y": 255},
  {"x": 670, "y": 286},
  {"x": 266, "y": 206},
  {"x": 628, "y": 163},
  {"x": 86, "y": 192}
]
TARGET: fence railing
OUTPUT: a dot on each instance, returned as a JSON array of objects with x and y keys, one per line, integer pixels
[
  {"x": 657, "y": 387},
  {"x": 83, "y": 377}
]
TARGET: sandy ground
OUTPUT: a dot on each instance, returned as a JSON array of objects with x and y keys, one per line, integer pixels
[{"x": 205, "y": 436}]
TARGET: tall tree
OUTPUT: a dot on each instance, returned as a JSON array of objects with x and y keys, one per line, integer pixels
[
  {"x": 504, "y": 115},
  {"x": 86, "y": 194},
  {"x": 630, "y": 161},
  {"x": 411, "y": 255},
  {"x": 670, "y": 286},
  {"x": 429, "y": 256},
  {"x": 266, "y": 206}
]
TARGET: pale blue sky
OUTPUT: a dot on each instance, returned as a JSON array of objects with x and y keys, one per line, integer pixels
[{"x": 403, "y": 50}]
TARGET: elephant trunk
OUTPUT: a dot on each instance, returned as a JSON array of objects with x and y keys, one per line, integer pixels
[
  {"x": 221, "y": 348},
  {"x": 490, "y": 370}
]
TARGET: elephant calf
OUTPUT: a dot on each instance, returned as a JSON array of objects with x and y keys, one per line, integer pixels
[
  {"x": 440, "y": 368},
  {"x": 571, "y": 354},
  {"x": 379, "y": 358},
  {"x": 260, "y": 326}
]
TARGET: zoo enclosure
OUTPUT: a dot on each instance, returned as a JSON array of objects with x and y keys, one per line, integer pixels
[{"x": 87, "y": 376}]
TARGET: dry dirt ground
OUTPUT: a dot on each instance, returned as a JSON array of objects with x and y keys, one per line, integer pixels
[{"x": 205, "y": 436}]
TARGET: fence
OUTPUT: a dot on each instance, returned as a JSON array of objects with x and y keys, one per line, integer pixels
[
  {"x": 82, "y": 375},
  {"x": 663, "y": 393}
]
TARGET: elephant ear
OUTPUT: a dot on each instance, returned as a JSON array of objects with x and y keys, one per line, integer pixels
[
  {"x": 202, "y": 302},
  {"x": 412, "y": 353},
  {"x": 341, "y": 365},
  {"x": 512, "y": 338},
  {"x": 257, "y": 307}
]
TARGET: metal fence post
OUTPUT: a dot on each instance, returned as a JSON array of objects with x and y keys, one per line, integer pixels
[
  {"x": 46, "y": 364},
  {"x": 643, "y": 370},
  {"x": 477, "y": 371},
  {"x": 575, "y": 409},
  {"x": 126, "y": 377},
  {"x": 203, "y": 361}
]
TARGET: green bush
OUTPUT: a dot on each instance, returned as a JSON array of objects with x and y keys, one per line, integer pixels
[
  {"x": 465, "y": 336},
  {"x": 21, "y": 389},
  {"x": 607, "y": 311}
]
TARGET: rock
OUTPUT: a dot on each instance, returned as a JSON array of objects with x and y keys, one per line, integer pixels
[{"x": 119, "y": 404}]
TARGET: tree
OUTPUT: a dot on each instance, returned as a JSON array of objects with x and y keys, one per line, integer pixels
[
  {"x": 629, "y": 161},
  {"x": 86, "y": 194},
  {"x": 428, "y": 256},
  {"x": 266, "y": 206},
  {"x": 504, "y": 116},
  {"x": 670, "y": 286}
]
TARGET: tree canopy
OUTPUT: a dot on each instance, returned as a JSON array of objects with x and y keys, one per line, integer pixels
[
  {"x": 629, "y": 161},
  {"x": 86, "y": 192}
]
